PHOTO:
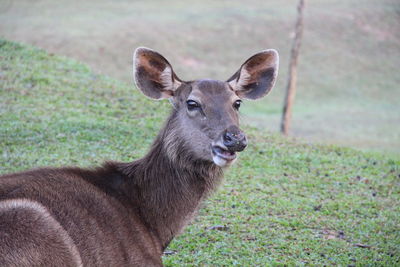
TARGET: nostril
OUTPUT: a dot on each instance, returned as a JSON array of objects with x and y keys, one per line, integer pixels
[{"x": 229, "y": 139}]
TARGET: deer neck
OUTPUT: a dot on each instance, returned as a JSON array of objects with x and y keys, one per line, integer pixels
[{"x": 168, "y": 184}]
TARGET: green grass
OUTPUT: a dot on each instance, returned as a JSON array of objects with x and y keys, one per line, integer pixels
[
  {"x": 283, "y": 203},
  {"x": 348, "y": 67}
]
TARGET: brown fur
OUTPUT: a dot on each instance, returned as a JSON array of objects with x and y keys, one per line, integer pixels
[
  {"x": 121, "y": 214},
  {"x": 126, "y": 213}
]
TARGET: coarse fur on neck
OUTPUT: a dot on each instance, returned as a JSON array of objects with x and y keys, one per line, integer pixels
[{"x": 168, "y": 184}]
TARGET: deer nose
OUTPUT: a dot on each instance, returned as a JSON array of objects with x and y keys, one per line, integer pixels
[{"x": 234, "y": 139}]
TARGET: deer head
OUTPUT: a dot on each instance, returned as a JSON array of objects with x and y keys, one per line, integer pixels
[{"x": 206, "y": 111}]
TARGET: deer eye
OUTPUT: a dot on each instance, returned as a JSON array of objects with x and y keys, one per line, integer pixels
[
  {"x": 237, "y": 104},
  {"x": 192, "y": 105}
]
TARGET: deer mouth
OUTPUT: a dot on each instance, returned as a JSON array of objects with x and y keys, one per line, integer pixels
[{"x": 223, "y": 153}]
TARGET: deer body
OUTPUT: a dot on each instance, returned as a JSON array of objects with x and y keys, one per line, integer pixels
[{"x": 125, "y": 214}]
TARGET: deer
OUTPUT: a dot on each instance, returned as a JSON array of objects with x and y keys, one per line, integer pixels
[{"x": 126, "y": 214}]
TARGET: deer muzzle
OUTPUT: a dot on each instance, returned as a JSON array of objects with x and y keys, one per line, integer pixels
[{"x": 231, "y": 141}]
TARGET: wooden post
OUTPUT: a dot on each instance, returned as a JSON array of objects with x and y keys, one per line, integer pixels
[{"x": 291, "y": 85}]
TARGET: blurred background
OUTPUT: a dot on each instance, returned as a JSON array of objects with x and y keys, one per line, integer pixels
[{"x": 348, "y": 88}]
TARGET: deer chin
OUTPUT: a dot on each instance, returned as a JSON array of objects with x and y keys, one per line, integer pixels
[{"x": 222, "y": 156}]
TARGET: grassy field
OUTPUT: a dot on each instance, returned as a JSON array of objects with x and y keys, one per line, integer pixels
[
  {"x": 283, "y": 203},
  {"x": 348, "y": 72}
]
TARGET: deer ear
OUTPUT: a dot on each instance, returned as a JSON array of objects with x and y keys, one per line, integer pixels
[
  {"x": 256, "y": 76},
  {"x": 153, "y": 74}
]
